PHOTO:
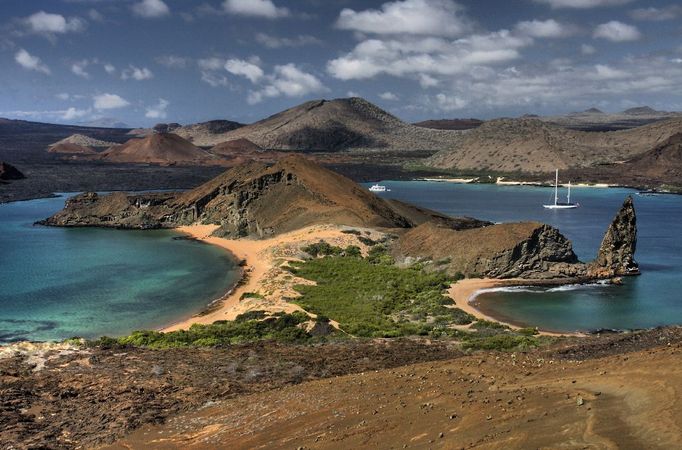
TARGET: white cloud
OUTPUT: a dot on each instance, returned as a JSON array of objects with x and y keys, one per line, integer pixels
[
  {"x": 605, "y": 72},
  {"x": 137, "y": 73},
  {"x": 172, "y": 61},
  {"x": 301, "y": 40},
  {"x": 352, "y": 94},
  {"x": 157, "y": 111},
  {"x": 213, "y": 79},
  {"x": 109, "y": 101},
  {"x": 109, "y": 68},
  {"x": 657, "y": 14},
  {"x": 544, "y": 28},
  {"x": 50, "y": 24},
  {"x": 151, "y": 9},
  {"x": 30, "y": 62},
  {"x": 430, "y": 56},
  {"x": 445, "y": 102},
  {"x": 78, "y": 68},
  {"x": 289, "y": 81},
  {"x": 617, "y": 32},
  {"x": 75, "y": 113},
  {"x": 95, "y": 15},
  {"x": 255, "y": 8},
  {"x": 390, "y": 96},
  {"x": 63, "y": 96},
  {"x": 583, "y": 4},
  {"x": 211, "y": 63},
  {"x": 419, "y": 17},
  {"x": 245, "y": 69},
  {"x": 427, "y": 81},
  {"x": 587, "y": 49}
]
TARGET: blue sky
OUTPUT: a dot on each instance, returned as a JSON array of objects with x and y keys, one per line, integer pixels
[{"x": 149, "y": 61}]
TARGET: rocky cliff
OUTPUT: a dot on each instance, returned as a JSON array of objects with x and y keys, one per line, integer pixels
[
  {"x": 254, "y": 200},
  {"x": 616, "y": 255},
  {"x": 523, "y": 250}
]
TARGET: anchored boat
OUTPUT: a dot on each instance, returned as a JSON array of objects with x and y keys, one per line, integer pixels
[{"x": 561, "y": 205}]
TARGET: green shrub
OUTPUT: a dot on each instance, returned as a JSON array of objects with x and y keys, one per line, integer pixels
[
  {"x": 501, "y": 342},
  {"x": 251, "y": 295}
]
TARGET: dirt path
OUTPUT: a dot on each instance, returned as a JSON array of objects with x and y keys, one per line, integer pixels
[{"x": 490, "y": 401}]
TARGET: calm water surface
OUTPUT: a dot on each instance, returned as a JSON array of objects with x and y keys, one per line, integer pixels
[
  {"x": 61, "y": 282},
  {"x": 654, "y": 298}
]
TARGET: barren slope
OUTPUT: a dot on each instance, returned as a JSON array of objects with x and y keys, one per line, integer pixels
[
  {"x": 340, "y": 124},
  {"x": 532, "y": 146},
  {"x": 159, "y": 148}
]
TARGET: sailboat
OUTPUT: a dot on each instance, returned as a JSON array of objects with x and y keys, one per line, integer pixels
[{"x": 561, "y": 205}]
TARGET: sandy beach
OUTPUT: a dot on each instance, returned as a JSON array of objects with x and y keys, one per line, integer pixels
[
  {"x": 263, "y": 274},
  {"x": 464, "y": 293}
]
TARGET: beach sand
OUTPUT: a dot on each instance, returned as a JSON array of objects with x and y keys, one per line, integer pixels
[
  {"x": 263, "y": 272},
  {"x": 464, "y": 292}
]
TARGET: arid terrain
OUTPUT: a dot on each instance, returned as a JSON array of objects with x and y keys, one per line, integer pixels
[{"x": 595, "y": 392}]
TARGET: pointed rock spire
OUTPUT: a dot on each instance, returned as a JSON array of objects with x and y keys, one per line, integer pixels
[{"x": 616, "y": 254}]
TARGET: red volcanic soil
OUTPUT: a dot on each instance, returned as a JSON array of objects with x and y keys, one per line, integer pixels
[{"x": 158, "y": 148}]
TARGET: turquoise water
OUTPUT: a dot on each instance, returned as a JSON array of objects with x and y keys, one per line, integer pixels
[
  {"x": 652, "y": 299},
  {"x": 59, "y": 282}
]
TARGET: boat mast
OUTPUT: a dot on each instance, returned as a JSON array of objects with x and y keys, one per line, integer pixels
[
  {"x": 556, "y": 188},
  {"x": 568, "y": 197}
]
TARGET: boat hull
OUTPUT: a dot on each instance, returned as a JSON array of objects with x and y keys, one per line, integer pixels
[{"x": 559, "y": 206}]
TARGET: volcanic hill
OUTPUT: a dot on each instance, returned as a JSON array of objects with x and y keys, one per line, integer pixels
[
  {"x": 533, "y": 146},
  {"x": 158, "y": 148},
  {"x": 79, "y": 144},
  {"x": 334, "y": 125},
  {"x": 255, "y": 200},
  {"x": 206, "y": 133}
]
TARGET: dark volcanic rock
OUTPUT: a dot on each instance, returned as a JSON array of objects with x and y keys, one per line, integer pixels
[
  {"x": 617, "y": 251},
  {"x": 9, "y": 172}
]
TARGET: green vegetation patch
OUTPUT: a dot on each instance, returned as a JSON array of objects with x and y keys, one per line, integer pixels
[
  {"x": 247, "y": 327},
  {"x": 371, "y": 297}
]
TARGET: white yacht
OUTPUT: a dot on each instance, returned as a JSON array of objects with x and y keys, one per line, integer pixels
[
  {"x": 378, "y": 188},
  {"x": 561, "y": 205}
]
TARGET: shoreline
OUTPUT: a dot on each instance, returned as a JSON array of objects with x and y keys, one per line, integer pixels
[
  {"x": 261, "y": 261},
  {"x": 464, "y": 294}
]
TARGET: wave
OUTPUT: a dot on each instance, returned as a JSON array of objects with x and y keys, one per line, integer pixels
[{"x": 541, "y": 289}]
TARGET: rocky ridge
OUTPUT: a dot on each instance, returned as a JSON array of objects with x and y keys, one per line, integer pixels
[
  {"x": 8, "y": 172},
  {"x": 254, "y": 200}
]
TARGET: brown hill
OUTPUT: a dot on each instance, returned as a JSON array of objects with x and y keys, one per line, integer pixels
[
  {"x": 532, "y": 146},
  {"x": 663, "y": 163},
  {"x": 9, "y": 172},
  {"x": 255, "y": 199},
  {"x": 71, "y": 149},
  {"x": 158, "y": 148},
  {"x": 450, "y": 124},
  {"x": 206, "y": 133},
  {"x": 332, "y": 125},
  {"x": 235, "y": 147}
]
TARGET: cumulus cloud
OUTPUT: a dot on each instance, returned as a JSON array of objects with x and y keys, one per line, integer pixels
[
  {"x": 583, "y": 4},
  {"x": 417, "y": 17},
  {"x": 449, "y": 102},
  {"x": 616, "y": 31},
  {"x": 151, "y": 9},
  {"x": 30, "y": 62},
  {"x": 137, "y": 73},
  {"x": 245, "y": 69},
  {"x": 301, "y": 40},
  {"x": 52, "y": 24},
  {"x": 657, "y": 14},
  {"x": 587, "y": 49},
  {"x": 109, "y": 68},
  {"x": 430, "y": 56},
  {"x": 390, "y": 96},
  {"x": 211, "y": 63},
  {"x": 157, "y": 111},
  {"x": 289, "y": 81},
  {"x": 545, "y": 28},
  {"x": 214, "y": 80},
  {"x": 255, "y": 8},
  {"x": 109, "y": 101}
]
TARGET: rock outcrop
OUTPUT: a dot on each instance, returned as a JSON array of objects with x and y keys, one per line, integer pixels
[
  {"x": 255, "y": 200},
  {"x": 616, "y": 256},
  {"x": 523, "y": 250},
  {"x": 511, "y": 250},
  {"x": 8, "y": 172}
]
